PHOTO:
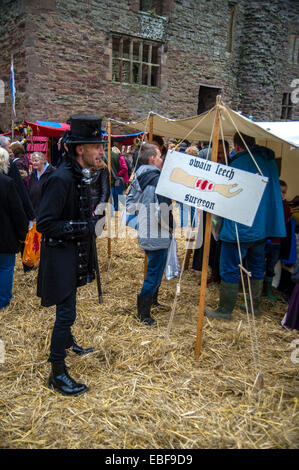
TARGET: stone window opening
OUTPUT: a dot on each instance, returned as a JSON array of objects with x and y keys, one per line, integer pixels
[
  {"x": 155, "y": 7},
  {"x": 135, "y": 61},
  {"x": 231, "y": 26},
  {"x": 286, "y": 106},
  {"x": 293, "y": 49},
  {"x": 207, "y": 97}
]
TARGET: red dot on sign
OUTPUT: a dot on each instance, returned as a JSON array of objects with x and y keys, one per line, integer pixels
[{"x": 204, "y": 185}]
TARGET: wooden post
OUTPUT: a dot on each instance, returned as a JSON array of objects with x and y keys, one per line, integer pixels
[
  {"x": 150, "y": 139},
  {"x": 206, "y": 250},
  {"x": 109, "y": 200},
  {"x": 151, "y": 126}
]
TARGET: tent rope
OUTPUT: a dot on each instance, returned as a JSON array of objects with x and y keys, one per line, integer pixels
[
  {"x": 246, "y": 146},
  {"x": 196, "y": 125},
  {"x": 253, "y": 340}
]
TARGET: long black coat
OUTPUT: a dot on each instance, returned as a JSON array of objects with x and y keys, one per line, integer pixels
[
  {"x": 14, "y": 222},
  {"x": 36, "y": 185},
  {"x": 64, "y": 264}
]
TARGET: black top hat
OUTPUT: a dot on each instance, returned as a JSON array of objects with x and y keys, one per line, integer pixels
[{"x": 85, "y": 129}]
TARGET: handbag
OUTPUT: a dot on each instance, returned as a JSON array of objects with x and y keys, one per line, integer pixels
[
  {"x": 172, "y": 268},
  {"x": 118, "y": 180},
  {"x": 31, "y": 253}
]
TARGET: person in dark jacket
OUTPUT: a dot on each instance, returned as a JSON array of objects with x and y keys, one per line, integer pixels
[
  {"x": 250, "y": 240},
  {"x": 14, "y": 224},
  {"x": 67, "y": 250},
  {"x": 21, "y": 161},
  {"x": 14, "y": 173},
  {"x": 99, "y": 192},
  {"x": 41, "y": 170}
]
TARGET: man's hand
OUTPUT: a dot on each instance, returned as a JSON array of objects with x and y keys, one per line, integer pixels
[{"x": 224, "y": 189}]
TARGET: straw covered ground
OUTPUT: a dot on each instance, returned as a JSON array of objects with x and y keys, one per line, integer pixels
[{"x": 146, "y": 393}]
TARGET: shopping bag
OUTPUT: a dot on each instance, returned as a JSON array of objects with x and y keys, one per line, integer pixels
[
  {"x": 172, "y": 268},
  {"x": 31, "y": 253}
]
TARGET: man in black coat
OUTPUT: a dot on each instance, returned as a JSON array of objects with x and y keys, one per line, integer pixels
[{"x": 67, "y": 251}]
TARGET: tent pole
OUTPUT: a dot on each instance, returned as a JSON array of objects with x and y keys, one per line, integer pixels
[
  {"x": 109, "y": 200},
  {"x": 150, "y": 139},
  {"x": 206, "y": 250}
]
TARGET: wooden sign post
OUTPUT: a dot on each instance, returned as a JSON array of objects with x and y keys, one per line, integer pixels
[
  {"x": 206, "y": 249},
  {"x": 109, "y": 200}
]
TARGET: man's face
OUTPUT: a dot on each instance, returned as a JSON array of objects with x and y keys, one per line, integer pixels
[
  {"x": 221, "y": 156},
  {"x": 283, "y": 192},
  {"x": 8, "y": 149},
  {"x": 89, "y": 155},
  {"x": 238, "y": 149},
  {"x": 157, "y": 160}
]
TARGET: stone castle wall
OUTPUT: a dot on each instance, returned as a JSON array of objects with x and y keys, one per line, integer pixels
[{"x": 63, "y": 57}]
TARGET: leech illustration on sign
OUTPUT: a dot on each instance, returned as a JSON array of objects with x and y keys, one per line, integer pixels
[{"x": 191, "y": 181}]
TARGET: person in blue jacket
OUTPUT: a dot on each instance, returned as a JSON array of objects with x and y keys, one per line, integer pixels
[{"x": 268, "y": 223}]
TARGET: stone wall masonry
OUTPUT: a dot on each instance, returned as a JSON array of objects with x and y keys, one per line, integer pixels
[
  {"x": 263, "y": 69},
  {"x": 63, "y": 57}
]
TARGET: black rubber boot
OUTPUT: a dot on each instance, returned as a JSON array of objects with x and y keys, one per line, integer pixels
[
  {"x": 256, "y": 290},
  {"x": 144, "y": 304},
  {"x": 61, "y": 382},
  {"x": 76, "y": 348},
  {"x": 268, "y": 289},
  {"x": 156, "y": 303},
  {"x": 227, "y": 301}
]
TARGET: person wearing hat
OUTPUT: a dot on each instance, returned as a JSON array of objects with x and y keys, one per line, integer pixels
[{"x": 67, "y": 255}]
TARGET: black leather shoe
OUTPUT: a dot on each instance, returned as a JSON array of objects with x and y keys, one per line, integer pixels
[
  {"x": 71, "y": 343},
  {"x": 61, "y": 382},
  {"x": 147, "y": 320},
  {"x": 81, "y": 351}
]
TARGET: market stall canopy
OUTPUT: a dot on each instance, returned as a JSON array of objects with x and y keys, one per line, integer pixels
[
  {"x": 282, "y": 137},
  {"x": 48, "y": 128},
  {"x": 200, "y": 127},
  {"x": 288, "y": 131},
  {"x": 125, "y": 139},
  {"x": 57, "y": 129}
]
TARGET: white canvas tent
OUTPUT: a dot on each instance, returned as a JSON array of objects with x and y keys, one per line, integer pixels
[
  {"x": 289, "y": 154},
  {"x": 282, "y": 137}
]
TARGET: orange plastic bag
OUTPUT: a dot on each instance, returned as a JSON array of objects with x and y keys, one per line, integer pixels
[{"x": 31, "y": 253}]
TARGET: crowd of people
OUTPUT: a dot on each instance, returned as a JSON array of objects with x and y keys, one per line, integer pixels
[{"x": 68, "y": 203}]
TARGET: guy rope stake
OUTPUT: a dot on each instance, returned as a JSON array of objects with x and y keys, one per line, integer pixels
[{"x": 206, "y": 250}]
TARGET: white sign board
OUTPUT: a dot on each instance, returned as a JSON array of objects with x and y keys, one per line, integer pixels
[{"x": 222, "y": 190}]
